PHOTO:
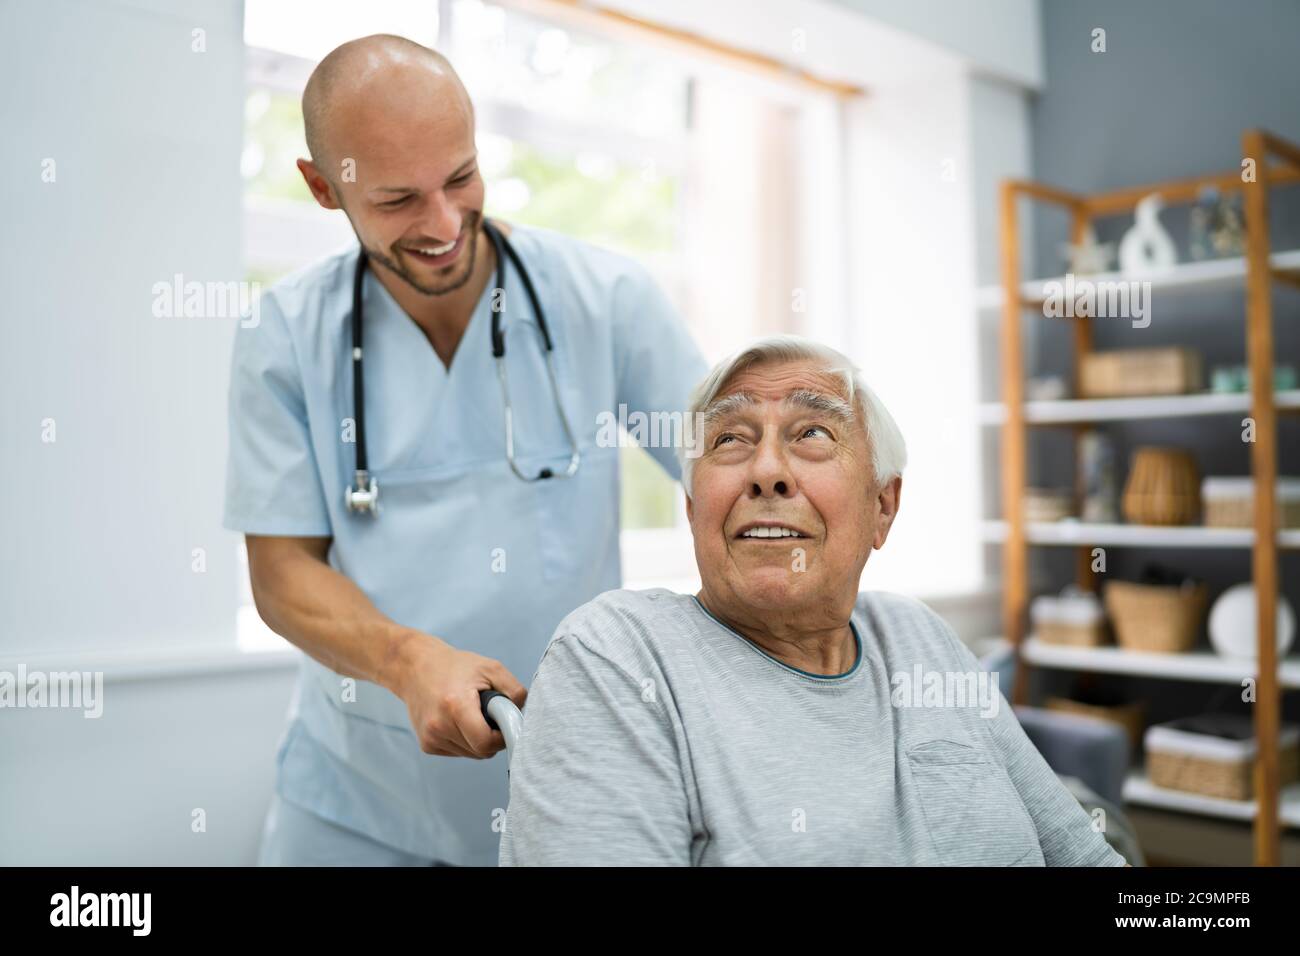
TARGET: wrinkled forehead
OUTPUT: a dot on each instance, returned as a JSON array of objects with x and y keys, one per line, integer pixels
[{"x": 793, "y": 386}]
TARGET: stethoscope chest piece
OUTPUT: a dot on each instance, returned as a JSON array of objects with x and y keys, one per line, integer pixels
[{"x": 362, "y": 497}]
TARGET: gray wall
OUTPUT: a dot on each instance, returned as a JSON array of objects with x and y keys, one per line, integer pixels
[{"x": 1178, "y": 84}]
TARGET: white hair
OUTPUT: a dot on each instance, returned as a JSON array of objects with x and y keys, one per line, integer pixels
[{"x": 888, "y": 450}]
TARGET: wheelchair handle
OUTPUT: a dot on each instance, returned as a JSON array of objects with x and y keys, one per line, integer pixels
[{"x": 501, "y": 714}]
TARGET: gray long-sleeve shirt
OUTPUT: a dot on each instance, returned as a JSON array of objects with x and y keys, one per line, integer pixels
[{"x": 654, "y": 734}]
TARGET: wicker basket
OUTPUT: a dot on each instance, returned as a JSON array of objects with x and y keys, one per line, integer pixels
[
  {"x": 1048, "y": 504},
  {"x": 1072, "y": 635},
  {"x": 1228, "y": 780},
  {"x": 1230, "y": 502},
  {"x": 1213, "y": 766},
  {"x": 1155, "y": 618},
  {"x": 1163, "y": 488},
  {"x": 1128, "y": 717},
  {"x": 1074, "y": 617},
  {"x": 1127, "y": 372}
]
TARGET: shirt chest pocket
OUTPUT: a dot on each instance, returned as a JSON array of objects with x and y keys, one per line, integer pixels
[{"x": 973, "y": 813}]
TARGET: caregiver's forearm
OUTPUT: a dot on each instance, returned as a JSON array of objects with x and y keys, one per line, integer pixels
[{"x": 323, "y": 612}]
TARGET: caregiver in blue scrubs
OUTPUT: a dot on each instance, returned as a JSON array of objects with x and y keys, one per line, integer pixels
[{"x": 456, "y": 583}]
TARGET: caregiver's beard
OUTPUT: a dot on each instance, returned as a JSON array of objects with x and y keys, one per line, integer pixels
[{"x": 458, "y": 273}]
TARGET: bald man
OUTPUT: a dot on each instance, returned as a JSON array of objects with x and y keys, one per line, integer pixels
[{"x": 441, "y": 566}]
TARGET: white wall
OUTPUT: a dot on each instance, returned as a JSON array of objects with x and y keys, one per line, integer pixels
[
  {"x": 1002, "y": 38},
  {"x": 914, "y": 333},
  {"x": 827, "y": 39},
  {"x": 875, "y": 43},
  {"x": 121, "y": 790},
  {"x": 98, "y": 527},
  {"x": 1000, "y": 149}
]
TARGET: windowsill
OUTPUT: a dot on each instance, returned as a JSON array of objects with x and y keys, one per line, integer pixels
[
  {"x": 260, "y": 649},
  {"x": 148, "y": 664}
]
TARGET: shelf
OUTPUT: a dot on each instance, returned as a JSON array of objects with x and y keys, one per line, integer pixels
[
  {"x": 1236, "y": 277},
  {"x": 1195, "y": 665},
  {"x": 1185, "y": 276},
  {"x": 1074, "y": 410},
  {"x": 1136, "y": 535},
  {"x": 1140, "y": 791}
]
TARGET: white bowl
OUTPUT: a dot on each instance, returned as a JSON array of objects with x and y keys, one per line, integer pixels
[{"x": 1232, "y": 623}]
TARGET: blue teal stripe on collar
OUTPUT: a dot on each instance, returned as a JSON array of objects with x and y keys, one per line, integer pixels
[{"x": 857, "y": 640}]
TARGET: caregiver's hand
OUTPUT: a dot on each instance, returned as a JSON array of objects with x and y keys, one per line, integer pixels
[
  {"x": 441, "y": 685},
  {"x": 303, "y": 599}
]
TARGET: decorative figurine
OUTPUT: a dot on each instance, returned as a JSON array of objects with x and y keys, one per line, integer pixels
[
  {"x": 1147, "y": 247},
  {"x": 1216, "y": 227},
  {"x": 1098, "y": 479},
  {"x": 1089, "y": 256}
]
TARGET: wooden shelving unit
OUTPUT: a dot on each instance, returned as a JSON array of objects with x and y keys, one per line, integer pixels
[
  {"x": 1138, "y": 789},
  {"x": 1197, "y": 665},
  {"x": 1088, "y": 410},
  {"x": 1276, "y": 163},
  {"x": 1079, "y": 534},
  {"x": 1203, "y": 276}
]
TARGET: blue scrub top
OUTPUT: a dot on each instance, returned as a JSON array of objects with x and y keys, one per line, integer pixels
[{"x": 462, "y": 548}]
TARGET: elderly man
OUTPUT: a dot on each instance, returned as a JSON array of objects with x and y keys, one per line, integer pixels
[{"x": 767, "y": 720}]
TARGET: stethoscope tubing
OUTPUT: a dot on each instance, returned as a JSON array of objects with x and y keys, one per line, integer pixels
[{"x": 363, "y": 497}]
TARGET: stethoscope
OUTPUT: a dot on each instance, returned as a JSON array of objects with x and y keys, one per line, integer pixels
[{"x": 362, "y": 496}]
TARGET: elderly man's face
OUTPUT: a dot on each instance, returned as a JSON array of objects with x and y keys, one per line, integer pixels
[{"x": 786, "y": 453}]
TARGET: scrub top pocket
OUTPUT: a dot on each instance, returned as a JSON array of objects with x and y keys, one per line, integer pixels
[
  {"x": 972, "y": 810},
  {"x": 574, "y": 514}
]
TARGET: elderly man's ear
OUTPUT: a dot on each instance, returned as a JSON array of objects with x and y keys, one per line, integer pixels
[{"x": 889, "y": 496}]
